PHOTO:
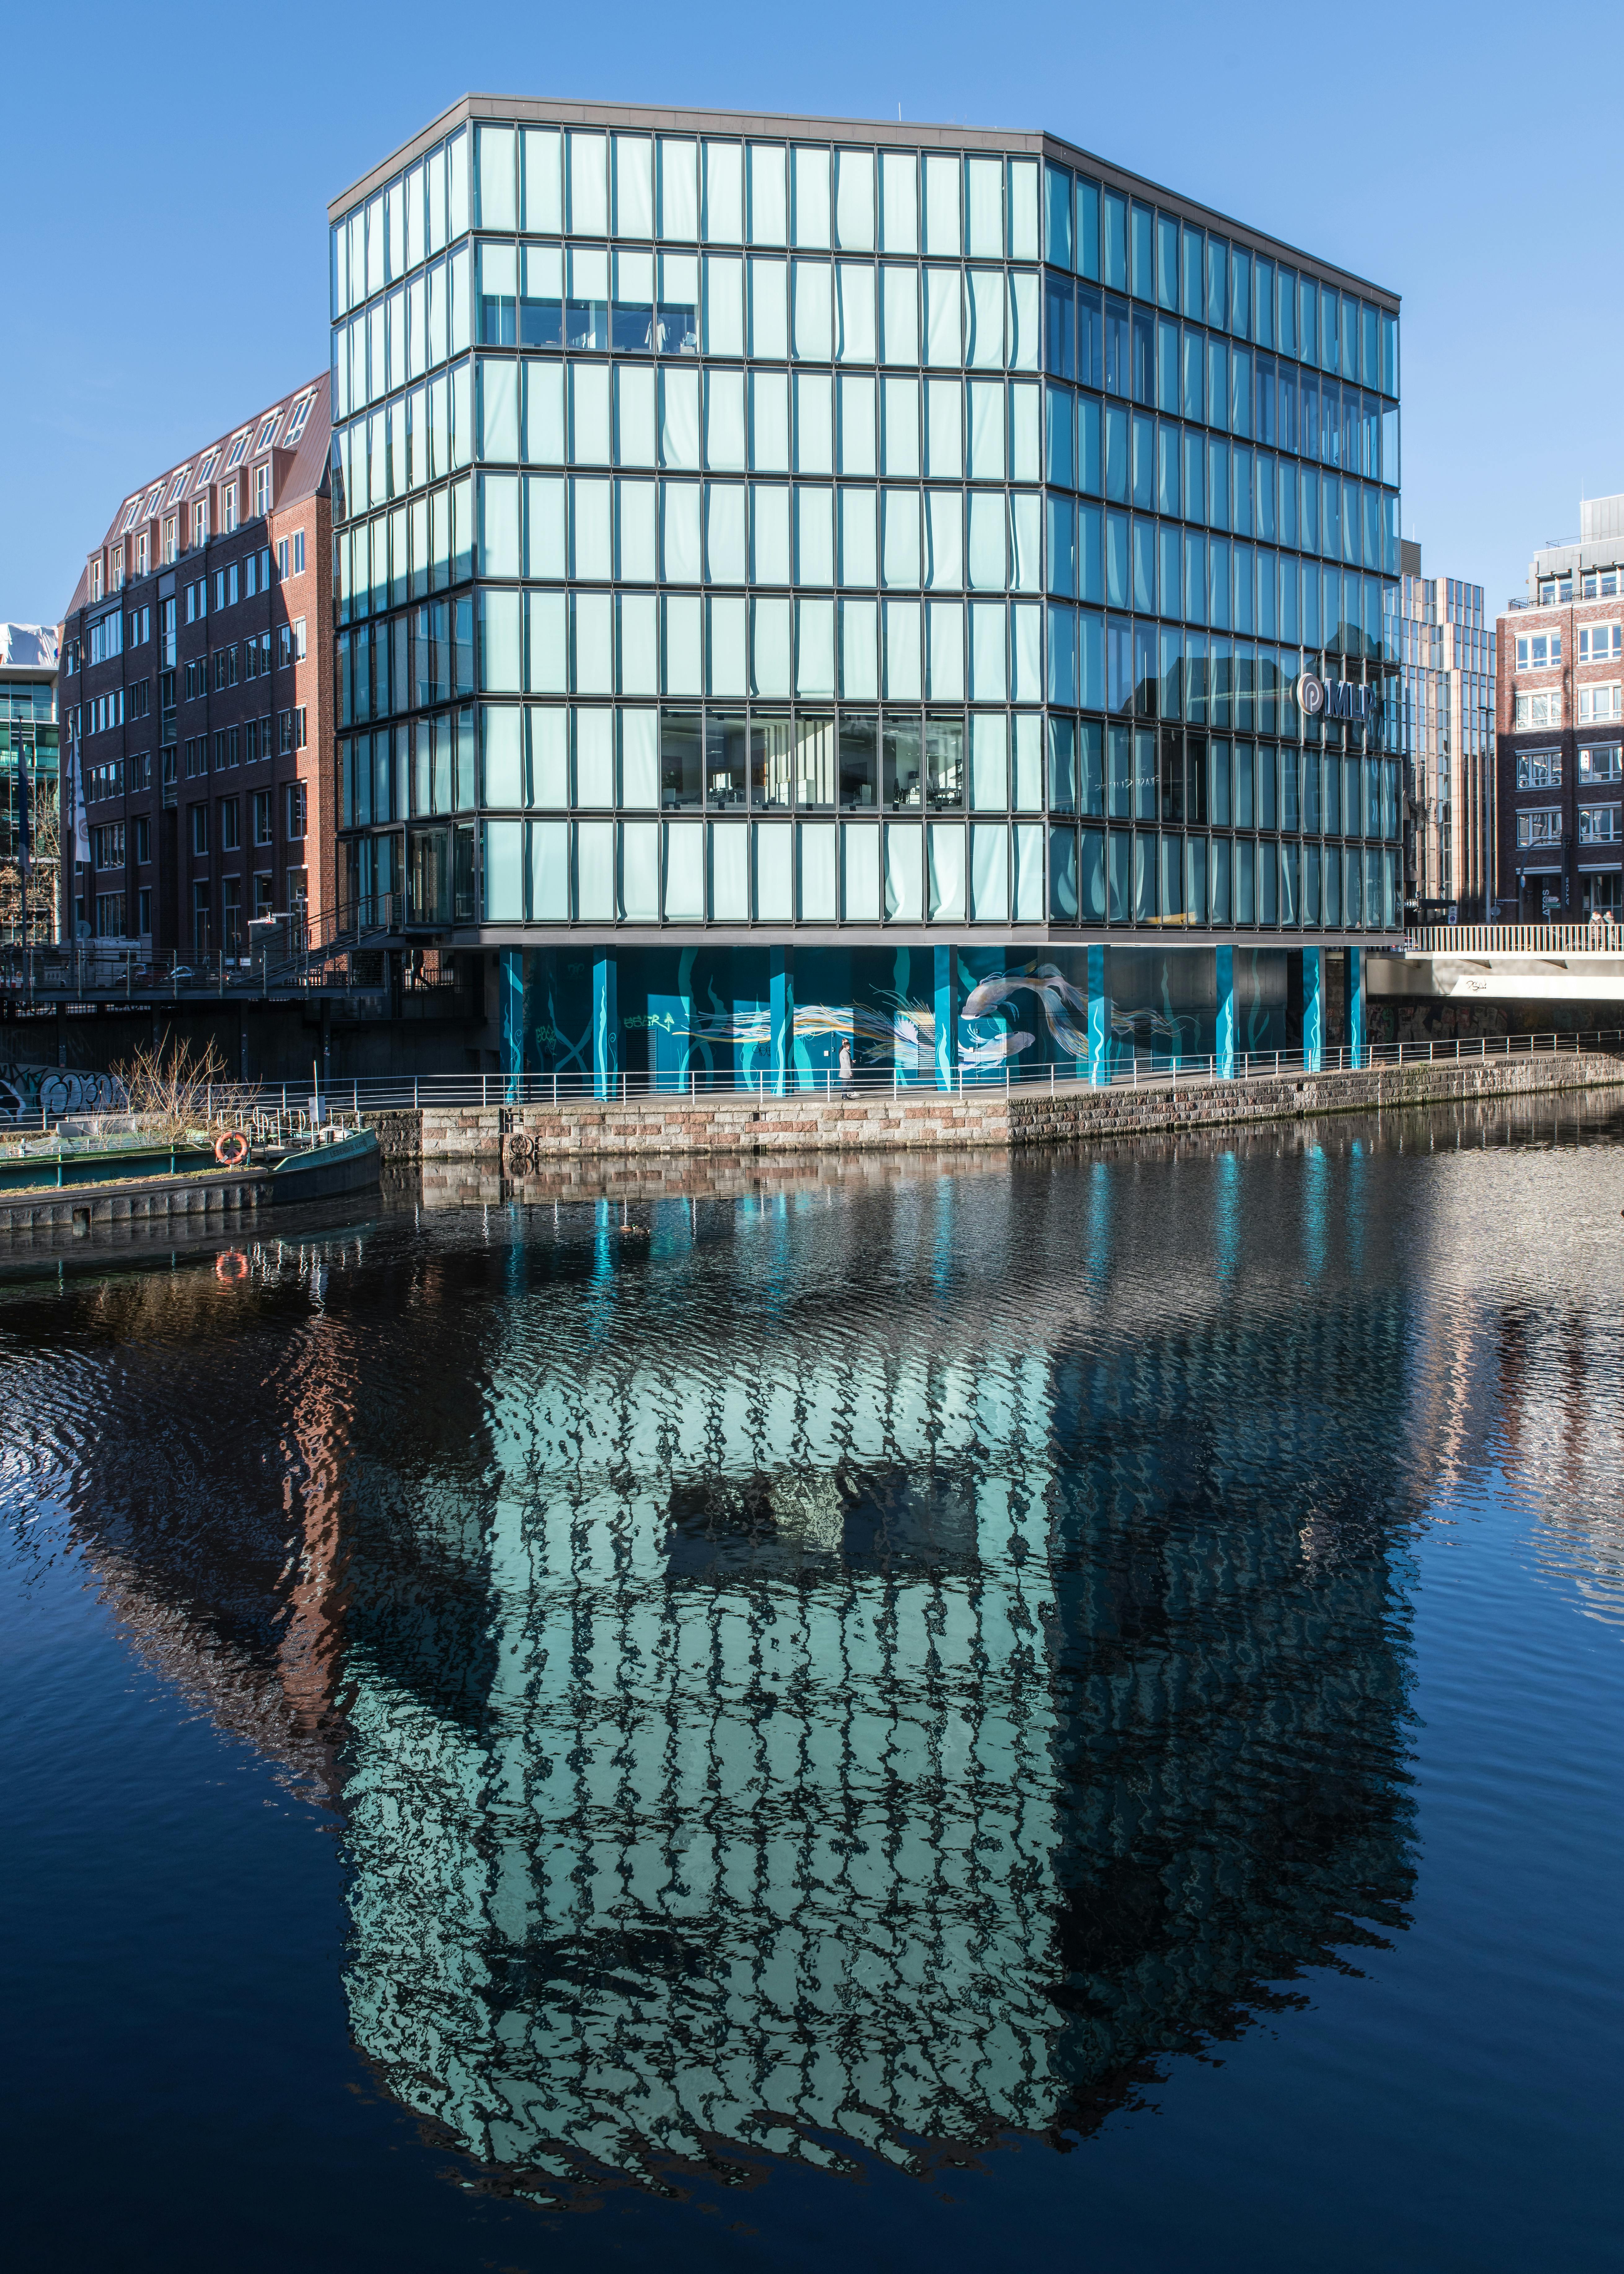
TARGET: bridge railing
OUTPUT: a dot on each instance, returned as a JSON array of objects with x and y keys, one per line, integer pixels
[{"x": 1516, "y": 939}]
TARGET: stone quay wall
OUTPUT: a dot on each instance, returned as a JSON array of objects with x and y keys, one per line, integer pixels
[{"x": 521, "y": 1140}]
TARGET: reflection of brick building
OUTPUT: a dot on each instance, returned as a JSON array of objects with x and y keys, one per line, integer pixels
[
  {"x": 195, "y": 692},
  {"x": 1562, "y": 729}
]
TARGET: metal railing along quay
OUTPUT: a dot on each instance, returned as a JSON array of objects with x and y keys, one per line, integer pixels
[{"x": 385, "y": 1093}]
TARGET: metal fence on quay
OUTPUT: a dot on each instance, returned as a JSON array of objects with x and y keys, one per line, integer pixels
[{"x": 383, "y": 1093}]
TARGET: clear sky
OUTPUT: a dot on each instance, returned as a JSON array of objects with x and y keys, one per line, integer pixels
[{"x": 168, "y": 167}]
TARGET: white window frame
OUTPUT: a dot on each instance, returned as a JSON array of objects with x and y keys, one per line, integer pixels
[
  {"x": 1599, "y": 702},
  {"x": 237, "y": 445},
  {"x": 1600, "y": 642},
  {"x": 1609, "y": 814}
]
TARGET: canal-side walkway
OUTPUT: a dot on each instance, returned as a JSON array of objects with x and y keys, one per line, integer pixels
[{"x": 522, "y": 1137}]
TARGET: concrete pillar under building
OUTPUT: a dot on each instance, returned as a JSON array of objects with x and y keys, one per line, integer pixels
[
  {"x": 781, "y": 1019},
  {"x": 1223, "y": 1043},
  {"x": 606, "y": 1024},
  {"x": 946, "y": 1003},
  {"x": 1356, "y": 1006},
  {"x": 510, "y": 990},
  {"x": 1099, "y": 1019},
  {"x": 1314, "y": 1011}
]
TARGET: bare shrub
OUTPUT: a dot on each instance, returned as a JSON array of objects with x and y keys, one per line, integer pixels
[{"x": 173, "y": 1086}]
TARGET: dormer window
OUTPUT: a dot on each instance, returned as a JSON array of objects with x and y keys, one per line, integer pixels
[
  {"x": 263, "y": 438},
  {"x": 239, "y": 443},
  {"x": 295, "y": 424},
  {"x": 130, "y": 510},
  {"x": 206, "y": 467},
  {"x": 177, "y": 487}
]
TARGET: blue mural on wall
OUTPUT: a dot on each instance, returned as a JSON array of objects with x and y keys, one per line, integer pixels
[{"x": 690, "y": 1014}]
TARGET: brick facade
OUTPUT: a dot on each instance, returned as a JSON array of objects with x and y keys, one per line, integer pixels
[
  {"x": 1566, "y": 876},
  {"x": 205, "y": 736}
]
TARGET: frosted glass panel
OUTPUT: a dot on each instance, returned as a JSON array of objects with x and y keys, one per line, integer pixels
[
  {"x": 899, "y": 201},
  {"x": 858, "y": 552},
  {"x": 943, "y": 232},
  {"x": 729, "y": 673},
  {"x": 634, "y": 185},
  {"x": 499, "y": 641},
  {"x": 549, "y": 757},
  {"x": 818, "y": 847},
  {"x": 854, "y": 200},
  {"x": 504, "y": 871},
  {"x": 680, "y": 418},
  {"x": 498, "y": 522},
  {"x": 640, "y": 759},
  {"x": 775, "y": 869},
  {"x": 904, "y": 872},
  {"x": 723, "y": 192},
  {"x": 854, "y": 339},
  {"x": 903, "y": 619},
  {"x": 987, "y": 430},
  {"x": 724, "y": 545},
  {"x": 814, "y": 445},
  {"x": 860, "y": 851},
  {"x": 815, "y": 647},
  {"x": 1029, "y": 872},
  {"x": 943, "y": 431},
  {"x": 549, "y": 642},
  {"x": 501, "y": 727},
  {"x": 595, "y": 895},
  {"x": 594, "y": 643},
  {"x": 814, "y": 536},
  {"x": 592, "y": 530},
  {"x": 594, "y": 756},
  {"x": 984, "y": 337},
  {"x": 986, "y": 520},
  {"x": 943, "y": 317},
  {"x": 768, "y": 308},
  {"x": 1027, "y": 541},
  {"x": 634, "y": 395},
  {"x": 498, "y": 404},
  {"x": 639, "y": 644},
  {"x": 814, "y": 290},
  {"x": 900, "y": 314},
  {"x": 1028, "y": 761},
  {"x": 988, "y": 663},
  {"x": 900, "y": 408},
  {"x": 811, "y": 206},
  {"x": 724, "y": 305},
  {"x": 984, "y": 203},
  {"x": 730, "y": 872},
  {"x": 637, "y": 555},
  {"x": 769, "y": 655},
  {"x": 684, "y": 645},
  {"x": 946, "y": 629},
  {"x": 589, "y": 185},
  {"x": 768, "y": 205},
  {"x": 543, "y": 197},
  {"x": 857, "y": 423},
  {"x": 947, "y": 871},
  {"x": 989, "y": 872},
  {"x": 989, "y": 761},
  {"x": 944, "y": 539},
  {"x": 549, "y": 871},
  {"x": 679, "y": 532},
  {"x": 640, "y": 851},
  {"x": 770, "y": 422},
  {"x": 544, "y": 415},
  {"x": 588, "y": 414},
  {"x": 769, "y": 507},
  {"x": 724, "y": 443},
  {"x": 901, "y": 538},
  {"x": 678, "y": 189},
  {"x": 1027, "y": 652},
  {"x": 544, "y": 552},
  {"x": 685, "y": 870},
  {"x": 860, "y": 630}
]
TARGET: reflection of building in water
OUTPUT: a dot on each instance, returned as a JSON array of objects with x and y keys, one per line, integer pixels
[
  {"x": 1564, "y": 1439},
  {"x": 901, "y": 1737},
  {"x": 882, "y": 1672}
]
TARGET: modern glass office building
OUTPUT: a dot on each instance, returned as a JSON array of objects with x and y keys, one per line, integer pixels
[{"x": 804, "y": 581}]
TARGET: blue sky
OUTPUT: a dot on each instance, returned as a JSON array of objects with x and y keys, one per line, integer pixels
[{"x": 169, "y": 167}]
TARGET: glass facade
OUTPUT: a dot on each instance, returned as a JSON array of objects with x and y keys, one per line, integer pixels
[
  {"x": 807, "y": 534},
  {"x": 29, "y": 770},
  {"x": 1437, "y": 630}
]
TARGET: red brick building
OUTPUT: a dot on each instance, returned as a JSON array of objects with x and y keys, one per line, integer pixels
[
  {"x": 1560, "y": 739},
  {"x": 196, "y": 695}
]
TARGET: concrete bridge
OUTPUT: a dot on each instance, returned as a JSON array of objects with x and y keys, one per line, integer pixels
[{"x": 1504, "y": 963}]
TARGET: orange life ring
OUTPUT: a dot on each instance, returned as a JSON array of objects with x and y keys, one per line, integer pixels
[
  {"x": 232, "y": 1264},
  {"x": 231, "y": 1149}
]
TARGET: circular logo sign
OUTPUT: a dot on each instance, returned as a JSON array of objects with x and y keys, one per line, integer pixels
[{"x": 1310, "y": 696}]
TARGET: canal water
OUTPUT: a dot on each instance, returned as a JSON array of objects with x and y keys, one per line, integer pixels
[{"x": 945, "y": 1713}]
